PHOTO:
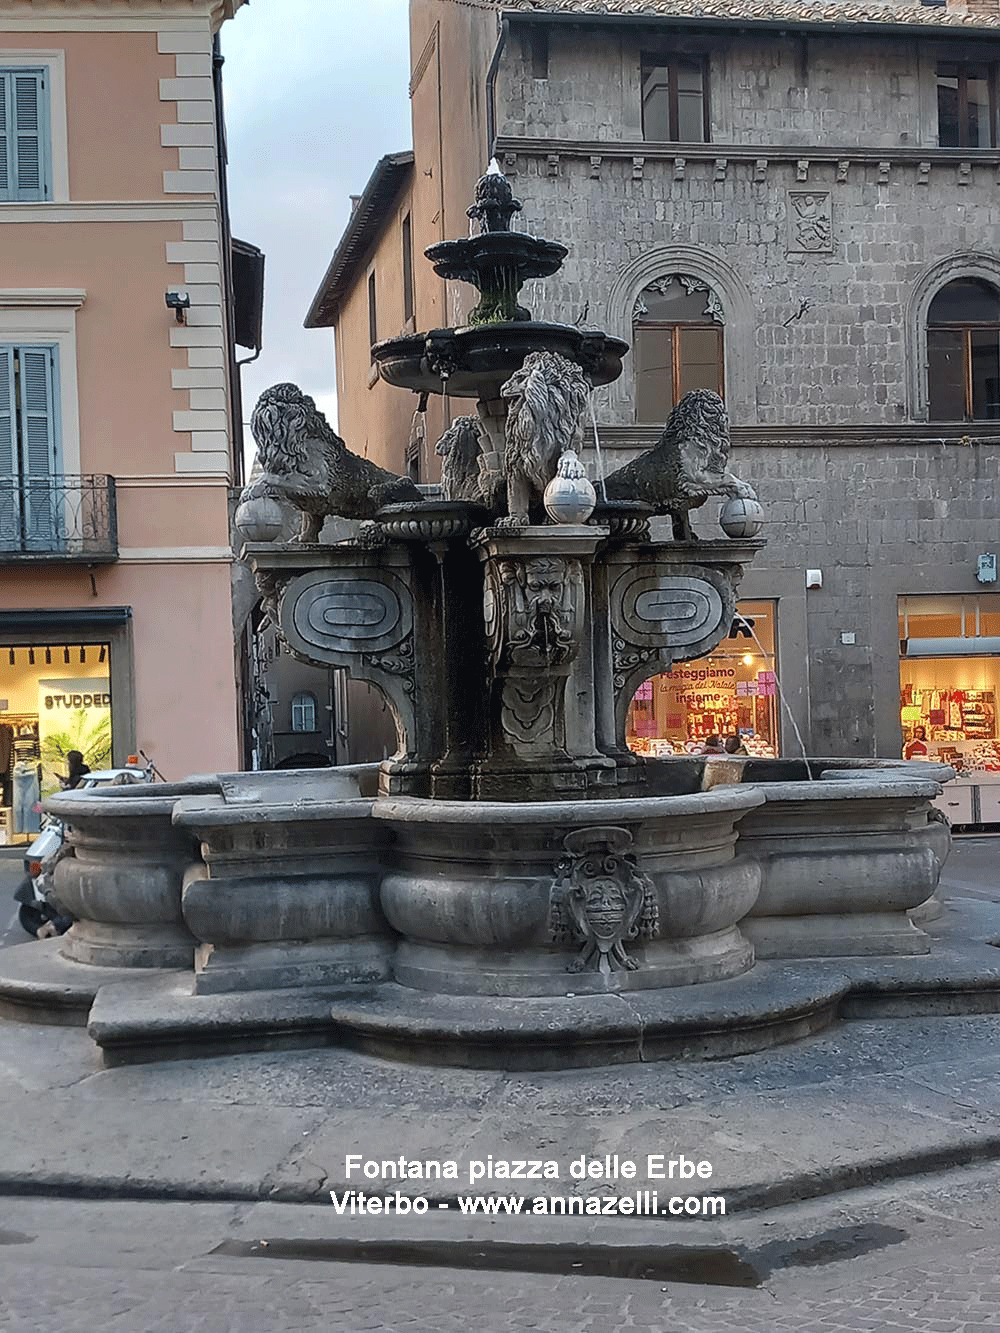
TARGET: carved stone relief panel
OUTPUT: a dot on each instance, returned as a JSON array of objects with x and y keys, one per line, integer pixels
[{"x": 810, "y": 222}]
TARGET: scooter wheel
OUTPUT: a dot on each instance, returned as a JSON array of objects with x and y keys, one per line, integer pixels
[{"x": 31, "y": 918}]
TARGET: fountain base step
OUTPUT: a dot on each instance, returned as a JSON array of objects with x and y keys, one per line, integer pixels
[
  {"x": 284, "y": 963},
  {"x": 449, "y": 970},
  {"x": 775, "y": 1003},
  {"x": 854, "y": 934}
]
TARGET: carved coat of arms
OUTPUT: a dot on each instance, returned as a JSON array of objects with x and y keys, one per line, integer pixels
[{"x": 601, "y": 899}]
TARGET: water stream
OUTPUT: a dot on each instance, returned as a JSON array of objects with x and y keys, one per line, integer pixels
[
  {"x": 784, "y": 701},
  {"x": 597, "y": 450}
]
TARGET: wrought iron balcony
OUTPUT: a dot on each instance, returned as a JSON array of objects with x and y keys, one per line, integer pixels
[{"x": 58, "y": 518}]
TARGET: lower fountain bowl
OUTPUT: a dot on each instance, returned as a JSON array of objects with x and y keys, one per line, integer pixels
[{"x": 568, "y": 897}]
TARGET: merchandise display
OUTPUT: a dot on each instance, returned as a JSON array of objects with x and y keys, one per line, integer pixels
[{"x": 733, "y": 692}]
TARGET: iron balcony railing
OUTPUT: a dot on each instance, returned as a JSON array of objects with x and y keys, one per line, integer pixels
[{"x": 58, "y": 518}]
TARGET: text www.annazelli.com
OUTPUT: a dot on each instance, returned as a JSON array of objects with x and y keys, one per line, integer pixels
[{"x": 643, "y": 1203}]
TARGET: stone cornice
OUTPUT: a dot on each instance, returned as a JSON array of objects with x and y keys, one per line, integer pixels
[
  {"x": 925, "y": 434},
  {"x": 216, "y": 11},
  {"x": 629, "y": 149}
]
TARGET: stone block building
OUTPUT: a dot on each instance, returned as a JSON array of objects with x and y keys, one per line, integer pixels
[{"x": 796, "y": 204}]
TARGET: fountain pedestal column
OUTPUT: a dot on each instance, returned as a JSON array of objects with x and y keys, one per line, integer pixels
[{"x": 538, "y": 610}]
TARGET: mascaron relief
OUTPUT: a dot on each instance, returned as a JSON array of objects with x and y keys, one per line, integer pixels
[
  {"x": 534, "y": 611},
  {"x": 601, "y": 899}
]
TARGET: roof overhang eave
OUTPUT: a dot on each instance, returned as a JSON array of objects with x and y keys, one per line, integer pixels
[{"x": 737, "y": 23}]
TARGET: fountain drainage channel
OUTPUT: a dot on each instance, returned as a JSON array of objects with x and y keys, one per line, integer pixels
[{"x": 514, "y": 888}]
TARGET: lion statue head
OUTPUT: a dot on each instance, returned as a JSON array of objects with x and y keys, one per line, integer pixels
[
  {"x": 460, "y": 448},
  {"x": 290, "y": 431},
  {"x": 701, "y": 422},
  {"x": 547, "y": 397}
]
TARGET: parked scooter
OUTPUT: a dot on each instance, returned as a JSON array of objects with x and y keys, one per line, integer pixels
[{"x": 39, "y": 913}]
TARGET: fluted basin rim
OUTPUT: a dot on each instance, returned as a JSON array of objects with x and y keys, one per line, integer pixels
[
  {"x": 862, "y": 789},
  {"x": 214, "y": 812},
  {"x": 420, "y": 810},
  {"x": 70, "y": 804}
]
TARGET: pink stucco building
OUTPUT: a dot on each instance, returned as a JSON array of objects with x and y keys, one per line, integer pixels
[{"x": 116, "y": 411}]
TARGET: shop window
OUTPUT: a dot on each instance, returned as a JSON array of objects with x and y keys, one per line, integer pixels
[
  {"x": 56, "y": 700},
  {"x": 677, "y": 344},
  {"x": 674, "y": 99},
  {"x": 25, "y": 173},
  {"x": 304, "y": 712},
  {"x": 949, "y": 679},
  {"x": 967, "y": 109},
  {"x": 730, "y": 693},
  {"x": 963, "y": 352}
]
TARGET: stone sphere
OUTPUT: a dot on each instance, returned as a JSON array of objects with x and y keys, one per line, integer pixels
[
  {"x": 260, "y": 519},
  {"x": 741, "y": 518},
  {"x": 569, "y": 497}
]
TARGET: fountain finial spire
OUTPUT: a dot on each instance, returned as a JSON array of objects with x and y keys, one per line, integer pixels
[{"x": 495, "y": 203}]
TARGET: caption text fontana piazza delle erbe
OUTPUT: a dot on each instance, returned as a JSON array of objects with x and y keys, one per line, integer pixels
[{"x": 609, "y": 1167}]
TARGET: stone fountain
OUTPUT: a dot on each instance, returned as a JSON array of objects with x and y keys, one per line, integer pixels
[{"x": 494, "y": 891}]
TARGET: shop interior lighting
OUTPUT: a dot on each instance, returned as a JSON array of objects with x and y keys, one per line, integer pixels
[{"x": 748, "y": 659}]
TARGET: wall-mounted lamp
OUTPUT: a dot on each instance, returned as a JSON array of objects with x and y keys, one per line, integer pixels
[
  {"x": 814, "y": 578},
  {"x": 179, "y": 303}
]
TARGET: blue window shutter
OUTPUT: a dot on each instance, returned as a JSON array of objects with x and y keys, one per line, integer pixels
[
  {"x": 9, "y": 510},
  {"x": 29, "y": 134},
  {"x": 6, "y": 119},
  {"x": 38, "y": 446}
]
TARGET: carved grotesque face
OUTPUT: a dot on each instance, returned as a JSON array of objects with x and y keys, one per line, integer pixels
[{"x": 543, "y": 584}]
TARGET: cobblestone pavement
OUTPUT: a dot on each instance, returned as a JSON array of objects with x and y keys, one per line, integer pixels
[{"x": 929, "y": 1264}]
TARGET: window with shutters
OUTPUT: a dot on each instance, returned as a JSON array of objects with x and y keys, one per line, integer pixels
[
  {"x": 25, "y": 172},
  {"x": 677, "y": 344},
  {"x": 30, "y": 492},
  {"x": 963, "y": 352},
  {"x": 304, "y": 712}
]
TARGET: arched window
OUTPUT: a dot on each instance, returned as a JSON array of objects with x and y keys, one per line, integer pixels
[
  {"x": 963, "y": 352},
  {"x": 677, "y": 344},
  {"x": 304, "y": 712}
]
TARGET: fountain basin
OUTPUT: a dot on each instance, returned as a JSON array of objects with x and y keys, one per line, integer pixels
[
  {"x": 287, "y": 891},
  {"x": 122, "y": 881},
  {"x": 842, "y": 862},
  {"x": 473, "y": 362},
  {"x": 568, "y": 897}
]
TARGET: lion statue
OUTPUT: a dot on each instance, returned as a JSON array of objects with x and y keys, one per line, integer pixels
[
  {"x": 306, "y": 463},
  {"x": 463, "y": 472},
  {"x": 685, "y": 466},
  {"x": 547, "y": 397}
]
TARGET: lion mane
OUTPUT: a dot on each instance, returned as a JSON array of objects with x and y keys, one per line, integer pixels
[{"x": 548, "y": 397}]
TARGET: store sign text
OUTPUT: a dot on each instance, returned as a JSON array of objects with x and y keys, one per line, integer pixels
[{"x": 77, "y": 701}]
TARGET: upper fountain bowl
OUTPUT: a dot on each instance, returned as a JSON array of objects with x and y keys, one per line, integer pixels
[
  {"x": 475, "y": 259},
  {"x": 473, "y": 362}
]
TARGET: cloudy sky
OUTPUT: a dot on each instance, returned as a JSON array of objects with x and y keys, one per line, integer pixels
[{"x": 316, "y": 93}]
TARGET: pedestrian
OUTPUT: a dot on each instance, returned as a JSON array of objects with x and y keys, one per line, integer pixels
[
  {"x": 77, "y": 770},
  {"x": 712, "y": 745},
  {"x": 734, "y": 744},
  {"x": 916, "y": 746}
]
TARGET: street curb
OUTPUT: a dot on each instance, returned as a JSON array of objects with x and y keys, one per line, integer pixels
[{"x": 745, "y": 1200}]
